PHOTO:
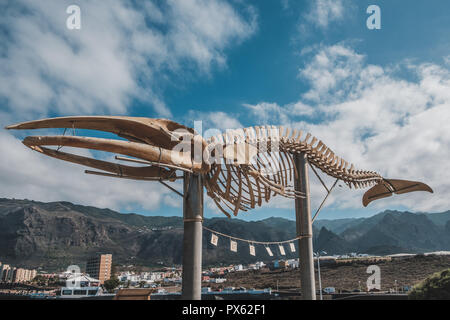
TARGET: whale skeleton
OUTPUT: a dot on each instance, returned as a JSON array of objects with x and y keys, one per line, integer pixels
[{"x": 241, "y": 168}]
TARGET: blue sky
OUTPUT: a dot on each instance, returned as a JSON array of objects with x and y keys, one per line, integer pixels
[
  {"x": 380, "y": 98},
  {"x": 265, "y": 67}
]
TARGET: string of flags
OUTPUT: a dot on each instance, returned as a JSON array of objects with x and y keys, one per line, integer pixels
[{"x": 233, "y": 243}]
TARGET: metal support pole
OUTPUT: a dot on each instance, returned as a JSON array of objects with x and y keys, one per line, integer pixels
[
  {"x": 304, "y": 228},
  {"x": 318, "y": 272},
  {"x": 192, "y": 237}
]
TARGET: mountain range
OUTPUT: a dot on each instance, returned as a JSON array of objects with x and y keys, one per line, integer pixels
[{"x": 58, "y": 234}]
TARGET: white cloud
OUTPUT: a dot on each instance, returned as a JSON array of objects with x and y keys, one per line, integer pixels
[
  {"x": 221, "y": 120},
  {"x": 332, "y": 72},
  {"x": 202, "y": 29},
  {"x": 28, "y": 174},
  {"x": 323, "y": 12},
  {"x": 320, "y": 14},
  {"x": 123, "y": 51},
  {"x": 379, "y": 120},
  {"x": 285, "y": 4},
  {"x": 447, "y": 59},
  {"x": 266, "y": 112},
  {"x": 218, "y": 120}
]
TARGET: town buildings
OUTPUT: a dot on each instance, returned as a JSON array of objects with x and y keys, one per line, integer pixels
[
  {"x": 15, "y": 275},
  {"x": 23, "y": 275},
  {"x": 4, "y": 270},
  {"x": 99, "y": 267}
]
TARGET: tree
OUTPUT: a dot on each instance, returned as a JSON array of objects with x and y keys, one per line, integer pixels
[
  {"x": 435, "y": 287},
  {"x": 40, "y": 280},
  {"x": 111, "y": 284}
]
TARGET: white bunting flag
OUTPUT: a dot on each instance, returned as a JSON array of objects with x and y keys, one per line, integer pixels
[
  {"x": 233, "y": 245},
  {"x": 214, "y": 239},
  {"x": 252, "y": 250},
  {"x": 269, "y": 251},
  {"x": 292, "y": 246},
  {"x": 283, "y": 253}
]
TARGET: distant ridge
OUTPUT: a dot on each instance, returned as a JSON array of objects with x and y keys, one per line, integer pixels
[{"x": 57, "y": 234}]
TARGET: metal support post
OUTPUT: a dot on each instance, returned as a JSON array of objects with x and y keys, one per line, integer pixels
[
  {"x": 192, "y": 237},
  {"x": 304, "y": 228}
]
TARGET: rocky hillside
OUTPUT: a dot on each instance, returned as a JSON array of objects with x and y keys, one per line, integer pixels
[
  {"x": 58, "y": 234},
  {"x": 393, "y": 232}
]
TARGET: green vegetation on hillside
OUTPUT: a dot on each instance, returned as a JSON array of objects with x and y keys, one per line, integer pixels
[{"x": 435, "y": 287}]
